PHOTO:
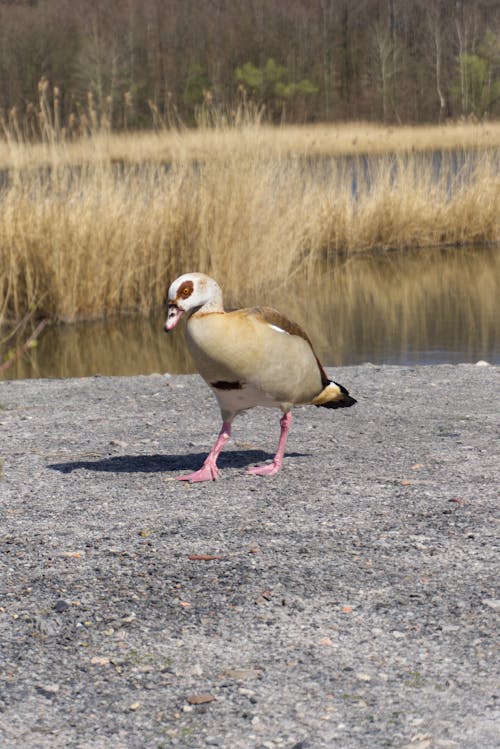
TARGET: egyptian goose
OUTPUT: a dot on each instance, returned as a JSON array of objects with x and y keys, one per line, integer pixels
[{"x": 249, "y": 357}]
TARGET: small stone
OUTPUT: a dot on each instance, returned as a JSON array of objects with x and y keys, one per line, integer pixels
[
  {"x": 99, "y": 660},
  {"x": 492, "y": 603},
  {"x": 419, "y": 744},
  {"x": 243, "y": 674},
  {"x": 47, "y": 690},
  {"x": 447, "y": 628},
  {"x": 360, "y": 676},
  {"x": 482, "y": 363},
  {"x": 60, "y": 606},
  {"x": 200, "y": 699}
]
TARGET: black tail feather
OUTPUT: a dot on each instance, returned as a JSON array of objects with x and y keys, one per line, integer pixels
[{"x": 344, "y": 402}]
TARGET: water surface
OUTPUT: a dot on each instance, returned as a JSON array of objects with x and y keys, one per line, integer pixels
[{"x": 420, "y": 307}]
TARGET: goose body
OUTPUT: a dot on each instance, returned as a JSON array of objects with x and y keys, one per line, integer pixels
[{"x": 249, "y": 357}]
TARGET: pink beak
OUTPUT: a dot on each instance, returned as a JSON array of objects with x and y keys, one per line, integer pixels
[{"x": 174, "y": 314}]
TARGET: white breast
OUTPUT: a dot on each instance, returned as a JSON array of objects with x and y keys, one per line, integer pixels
[{"x": 240, "y": 399}]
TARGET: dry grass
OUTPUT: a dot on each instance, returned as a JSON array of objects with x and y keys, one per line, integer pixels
[
  {"x": 85, "y": 237},
  {"x": 170, "y": 144}
]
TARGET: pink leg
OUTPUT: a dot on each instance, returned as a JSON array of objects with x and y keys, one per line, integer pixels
[
  {"x": 209, "y": 470},
  {"x": 271, "y": 468}
]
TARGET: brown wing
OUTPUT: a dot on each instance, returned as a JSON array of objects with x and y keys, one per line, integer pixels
[{"x": 273, "y": 317}]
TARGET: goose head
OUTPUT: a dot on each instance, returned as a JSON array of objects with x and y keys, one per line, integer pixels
[{"x": 191, "y": 293}]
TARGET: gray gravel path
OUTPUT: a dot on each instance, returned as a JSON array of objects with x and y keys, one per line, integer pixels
[{"x": 352, "y": 602}]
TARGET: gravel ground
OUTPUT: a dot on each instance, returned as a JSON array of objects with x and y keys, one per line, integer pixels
[{"x": 351, "y": 602}]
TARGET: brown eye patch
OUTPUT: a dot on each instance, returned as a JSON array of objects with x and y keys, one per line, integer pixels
[{"x": 185, "y": 290}]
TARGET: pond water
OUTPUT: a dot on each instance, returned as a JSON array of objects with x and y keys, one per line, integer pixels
[{"x": 420, "y": 307}]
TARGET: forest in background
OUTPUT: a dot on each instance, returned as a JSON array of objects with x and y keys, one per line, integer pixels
[{"x": 129, "y": 64}]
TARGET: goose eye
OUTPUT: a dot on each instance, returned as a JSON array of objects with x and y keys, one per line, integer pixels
[{"x": 185, "y": 290}]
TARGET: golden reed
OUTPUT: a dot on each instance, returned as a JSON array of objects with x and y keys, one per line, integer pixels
[{"x": 100, "y": 226}]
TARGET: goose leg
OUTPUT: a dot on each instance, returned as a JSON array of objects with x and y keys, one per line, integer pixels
[
  {"x": 209, "y": 470},
  {"x": 271, "y": 468}
]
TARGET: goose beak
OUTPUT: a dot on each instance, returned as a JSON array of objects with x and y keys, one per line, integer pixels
[{"x": 174, "y": 314}]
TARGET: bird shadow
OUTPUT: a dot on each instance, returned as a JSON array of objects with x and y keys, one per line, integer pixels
[{"x": 165, "y": 463}]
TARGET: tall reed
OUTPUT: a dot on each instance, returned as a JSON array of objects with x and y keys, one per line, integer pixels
[
  {"x": 88, "y": 239},
  {"x": 88, "y": 138}
]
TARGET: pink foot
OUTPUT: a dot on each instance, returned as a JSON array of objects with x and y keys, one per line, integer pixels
[
  {"x": 272, "y": 468},
  {"x": 207, "y": 472},
  {"x": 268, "y": 470}
]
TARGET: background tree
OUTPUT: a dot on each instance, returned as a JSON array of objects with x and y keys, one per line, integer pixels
[{"x": 392, "y": 60}]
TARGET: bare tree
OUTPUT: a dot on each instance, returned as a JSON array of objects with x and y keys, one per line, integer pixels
[{"x": 397, "y": 60}]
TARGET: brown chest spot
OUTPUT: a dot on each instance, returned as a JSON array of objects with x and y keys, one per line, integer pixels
[{"x": 224, "y": 385}]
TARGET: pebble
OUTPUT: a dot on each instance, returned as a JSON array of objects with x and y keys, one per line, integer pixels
[
  {"x": 200, "y": 699},
  {"x": 492, "y": 603},
  {"x": 243, "y": 674},
  {"x": 48, "y": 690},
  {"x": 362, "y": 676},
  {"x": 118, "y": 443},
  {"x": 61, "y": 605},
  {"x": 424, "y": 743}
]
